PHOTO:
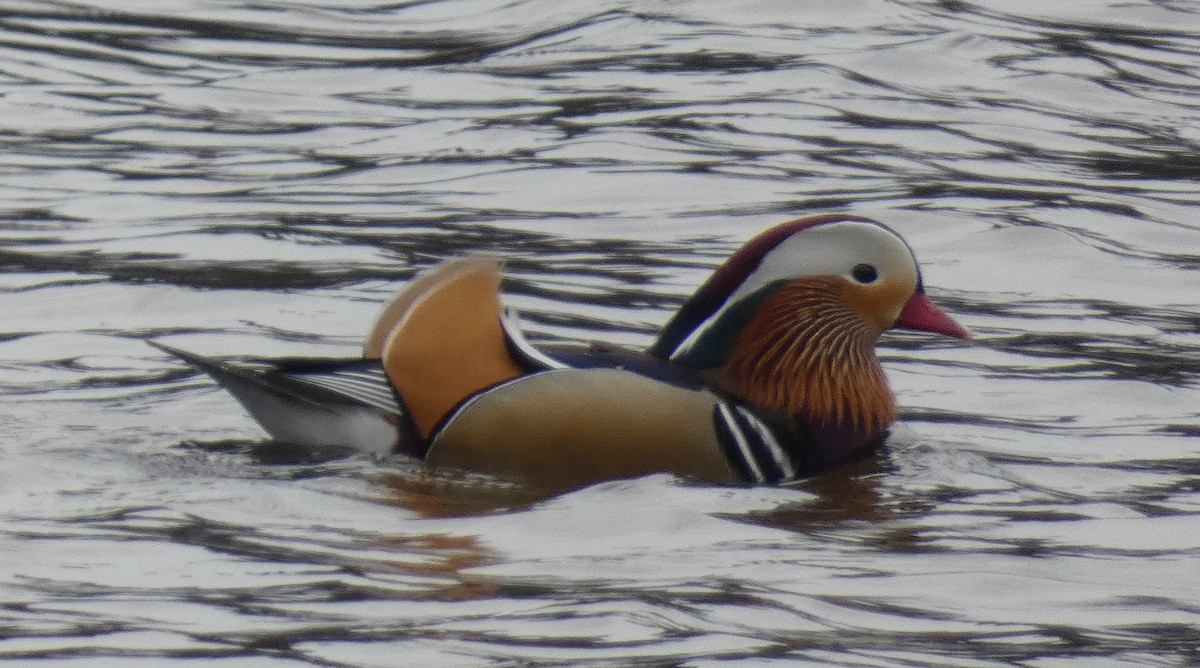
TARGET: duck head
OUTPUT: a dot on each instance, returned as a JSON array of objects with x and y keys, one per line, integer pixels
[{"x": 789, "y": 322}]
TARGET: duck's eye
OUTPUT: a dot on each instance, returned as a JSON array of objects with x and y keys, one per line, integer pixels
[{"x": 864, "y": 273}]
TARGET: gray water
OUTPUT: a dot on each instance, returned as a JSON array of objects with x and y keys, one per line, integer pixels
[{"x": 255, "y": 178}]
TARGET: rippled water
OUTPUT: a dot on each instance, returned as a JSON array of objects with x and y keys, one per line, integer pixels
[{"x": 256, "y": 177}]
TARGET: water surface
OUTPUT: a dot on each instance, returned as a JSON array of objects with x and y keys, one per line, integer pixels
[{"x": 257, "y": 178}]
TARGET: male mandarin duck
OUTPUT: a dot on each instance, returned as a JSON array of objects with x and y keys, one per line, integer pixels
[{"x": 766, "y": 374}]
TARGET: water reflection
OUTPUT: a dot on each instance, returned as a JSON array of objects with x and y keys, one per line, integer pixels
[
  {"x": 257, "y": 179},
  {"x": 448, "y": 494}
]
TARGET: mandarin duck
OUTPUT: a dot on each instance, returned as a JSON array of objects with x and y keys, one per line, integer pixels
[{"x": 766, "y": 374}]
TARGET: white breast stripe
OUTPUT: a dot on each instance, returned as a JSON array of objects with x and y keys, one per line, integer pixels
[
  {"x": 740, "y": 439},
  {"x": 767, "y": 438}
]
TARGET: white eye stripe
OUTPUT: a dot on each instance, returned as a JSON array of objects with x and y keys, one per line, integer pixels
[{"x": 831, "y": 249}]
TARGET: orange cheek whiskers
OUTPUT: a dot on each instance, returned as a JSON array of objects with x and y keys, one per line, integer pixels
[{"x": 805, "y": 353}]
